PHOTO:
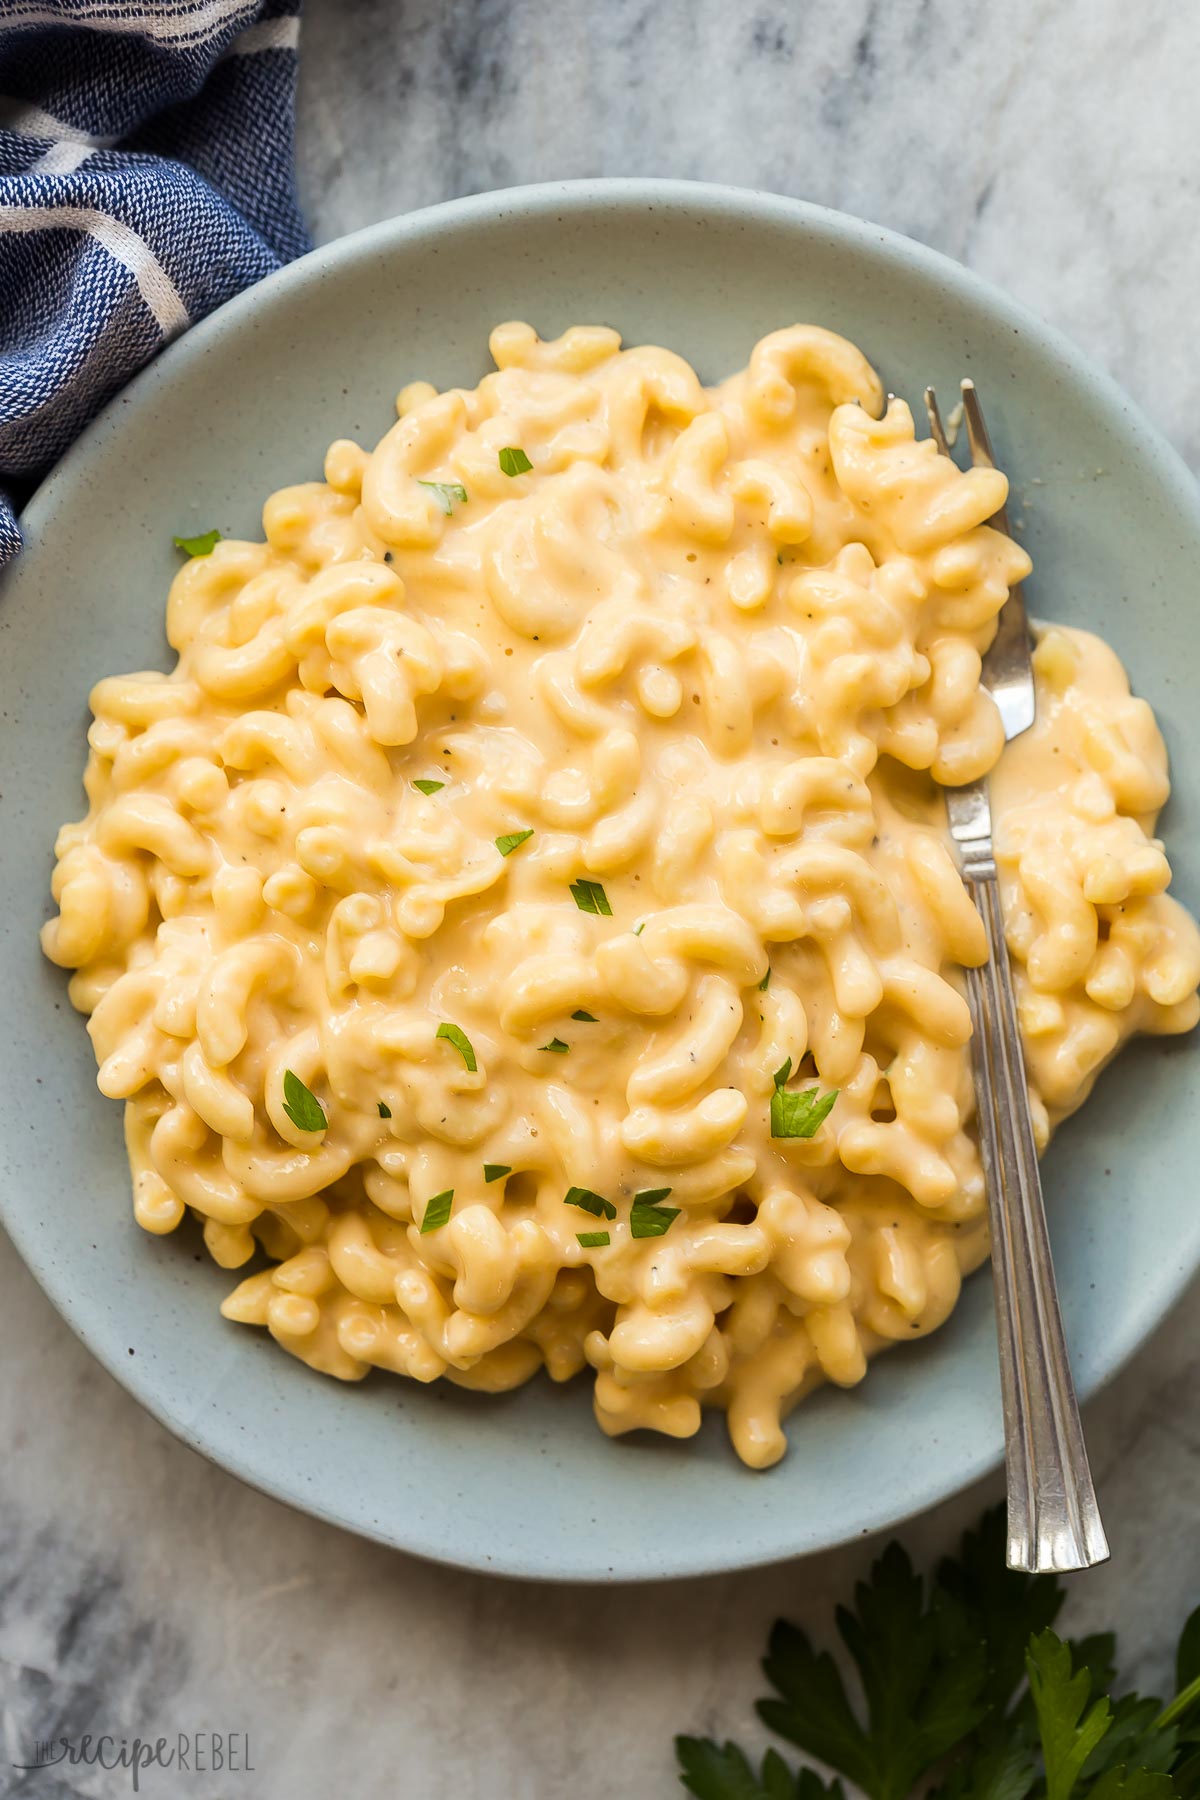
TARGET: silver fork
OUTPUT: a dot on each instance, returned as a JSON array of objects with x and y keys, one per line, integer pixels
[{"x": 1053, "y": 1520}]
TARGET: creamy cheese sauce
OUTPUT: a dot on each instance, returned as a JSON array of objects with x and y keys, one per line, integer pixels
[{"x": 714, "y": 650}]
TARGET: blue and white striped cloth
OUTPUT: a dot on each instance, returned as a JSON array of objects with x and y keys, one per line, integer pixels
[{"x": 146, "y": 176}]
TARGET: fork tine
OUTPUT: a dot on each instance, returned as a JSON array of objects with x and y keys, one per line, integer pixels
[
  {"x": 977, "y": 432},
  {"x": 982, "y": 454},
  {"x": 936, "y": 428}
]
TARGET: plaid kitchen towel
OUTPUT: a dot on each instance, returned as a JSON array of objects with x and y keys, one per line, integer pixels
[{"x": 146, "y": 176}]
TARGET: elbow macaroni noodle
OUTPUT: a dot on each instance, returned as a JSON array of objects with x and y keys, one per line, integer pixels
[{"x": 716, "y": 650}]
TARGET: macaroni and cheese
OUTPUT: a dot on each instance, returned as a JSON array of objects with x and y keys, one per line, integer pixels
[{"x": 522, "y": 925}]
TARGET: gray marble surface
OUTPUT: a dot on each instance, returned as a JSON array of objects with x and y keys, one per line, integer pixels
[{"x": 1052, "y": 148}]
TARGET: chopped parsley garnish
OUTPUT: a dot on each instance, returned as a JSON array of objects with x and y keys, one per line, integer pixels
[
  {"x": 385, "y": 1111},
  {"x": 437, "y": 1212},
  {"x": 446, "y": 493},
  {"x": 596, "y": 1204},
  {"x": 593, "y": 1240},
  {"x": 647, "y": 1218},
  {"x": 765, "y": 983},
  {"x": 204, "y": 545},
  {"x": 301, "y": 1104},
  {"x": 556, "y": 1045},
  {"x": 429, "y": 787},
  {"x": 798, "y": 1115},
  {"x": 496, "y": 1171},
  {"x": 585, "y": 1018},
  {"x": 590, "y": 897},
  {"x": 639, "y": 928},
  {"x": 454, "y": 1034},
  {"x": 513, "y": 461},
  {"x": 512, "y": 840}
]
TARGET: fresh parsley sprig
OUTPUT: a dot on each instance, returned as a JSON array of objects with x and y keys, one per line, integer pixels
[{"x": 964, "y": 1682}]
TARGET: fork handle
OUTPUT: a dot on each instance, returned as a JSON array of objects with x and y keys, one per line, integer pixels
[{"x": 1053, "y": 1519}]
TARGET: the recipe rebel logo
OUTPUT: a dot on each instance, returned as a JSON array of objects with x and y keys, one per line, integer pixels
[{"x": 187, "y": 1753}]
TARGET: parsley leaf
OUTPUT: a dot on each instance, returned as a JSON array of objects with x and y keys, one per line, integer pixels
[
  {"x": 301, "y": 1104},
  {"x": 437, "y": 1212},
  {"x": 513, "y": 840},
  {"x": 204, "y": 545},
  {"x": 453, "y": 1034},
  {"x": 446, "y": 493},
  {"x": 1115, "y": 1750},
  {"x": 590, "y": 897},
  {"x": 596, "y": 1204},
  {"x": 592, "y": 1240},
  {"x": 921, "y": 1683},
  {"x": 798, "y": 1115},
  {"x": 429, "y": 787},
  {"x": 556, "y": 1045},
  {"x": 585, "y": 1018},
  {"x": 765, "y": 983},
  {"x": 648, "y": 1219},
  {"x": 1069, "y": 1734},
  {"x": 385, "y": 1111},
  {"x": 716, "y": 1771},
  {"x": 496, "y": 1171},
  {"x": 513, "y": 461},
  {"x": 722, "y": 1772}
]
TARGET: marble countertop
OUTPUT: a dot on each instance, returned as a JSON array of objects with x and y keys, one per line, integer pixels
[{"x": 1052, "y": 149}]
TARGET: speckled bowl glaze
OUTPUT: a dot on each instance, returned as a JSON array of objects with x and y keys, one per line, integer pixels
[{"x": 248, "y": 401}]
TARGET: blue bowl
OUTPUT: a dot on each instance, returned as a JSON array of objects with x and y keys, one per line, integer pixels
[{"x": 248, "y": 401}]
